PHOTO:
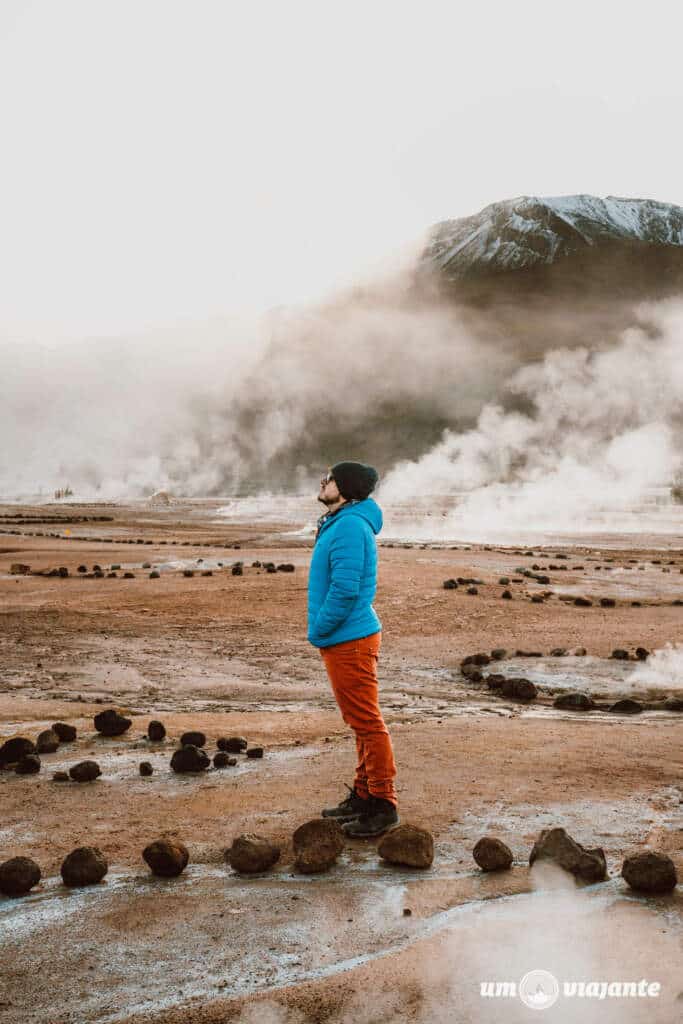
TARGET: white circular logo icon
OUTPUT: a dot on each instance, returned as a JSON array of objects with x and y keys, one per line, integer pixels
[{"x": 539, "y": 989}]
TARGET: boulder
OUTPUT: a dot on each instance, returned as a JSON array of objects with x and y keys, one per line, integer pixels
[
  {"x": 409, "y": 845},
  {"x": 193, "y": 739},
  {"x": 111, "y": 723},
  {"x": 317, "y": 844},
  {"x": 156, "y": 731},
  {"x": 86, "y": 865},
  {"x": 85, "y": 771},
  {"x": 13, "y": 750},
  {"x": 166, "y": 857},
  {"x": 492, "y": 854},
  {"x": 250, "y": 853},
  {"x": 649, "y": 871},
  {"x": 575, "y": 701},
  {"x": 66, "y": 733},
  {"x": 47, "y": 742},
  {"x": 588, "y": 865},
  {"x": 18, "y": 876},
  {"x": 189, "y": 759},
  {"x": 29, "y": 765},
  {"x": 627, "y": 706},
  {"x": 232, "y": 744}
]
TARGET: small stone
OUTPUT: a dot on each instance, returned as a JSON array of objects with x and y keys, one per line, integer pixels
[
  {"x": 558, "y": 652},
  {"x": 471, "y": 590},
  {"x": 188, "y": 572},
  {"x": 223, "y": 760},
  {"x": 607, "y": 602},
  {"x": 579, "y": 652},
  {"x": 498, "y": 653},
  {"x": 156, "y": 731},
  {"x": 503, "y": 581},
  {"x": 520, "y": 689},
  {"x": 146, "y": 768},
  {"x": 573, "y": 702},
  {"x": 627, "y": 706},
  {"x": 250, "y": 853},
  {"x": 232, "y": 744},
  {"x": 85, "y": 865},
  {"x": 317, "y": 844},
  {"x": 189, "y": 759},
  {"x": 555, "y": 844},
  {"x": 85, "y": 771},
  {"x": 18, "y": 876},
  {"x": 492, "y": 854},
  {"x": 237, "y": 570},
  {"x": 155, "y": 575},
  {"x": 450, "y": 584},
  {"x": 47, "y": 742},
  {"x": 506, "y": 595},
  {"x": 129, "y": 575},
  {"x": 537, "y": 599},
  {"x": 193, "y": 739},
  {"x": 582, "y": 602},
  {"x": 60, "y": 776},
  {"x": 111, "y": 723},
  {"x": 286, "y": 567},
  {"x": 409, "y": 845},
  {"x": 29, "y": 765},
  {"x": 619, "y": 654},
  {"x": 673, "y": 704},
  {"x": 166, "y": 858},
  {"x": 642, "y": 653},
  {"x": 255, "y": 752},
  {"x": 146, "y": 565},
  {"x": 207, "y": 572},
  {"x": 649, "y": 871}
]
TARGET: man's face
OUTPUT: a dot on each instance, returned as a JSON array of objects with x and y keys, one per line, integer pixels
[{"x": 329, "y": 492}]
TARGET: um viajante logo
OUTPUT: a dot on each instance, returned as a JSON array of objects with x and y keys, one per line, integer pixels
[{"x": 539, "y": 989}]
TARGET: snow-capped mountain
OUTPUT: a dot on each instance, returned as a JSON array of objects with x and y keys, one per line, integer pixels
[{"x": 530, "y": 231}]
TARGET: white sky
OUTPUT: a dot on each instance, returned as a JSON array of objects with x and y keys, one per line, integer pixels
[{"x": 171, "y": 160}]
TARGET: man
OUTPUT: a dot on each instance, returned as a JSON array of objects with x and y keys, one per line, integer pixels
[{"x": 343, "y": 624}]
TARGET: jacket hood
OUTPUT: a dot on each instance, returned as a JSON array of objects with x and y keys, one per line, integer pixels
[{"x": 368, "y": 509}]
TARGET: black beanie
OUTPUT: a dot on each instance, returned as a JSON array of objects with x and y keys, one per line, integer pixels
[{"x": 354, "y": 479}]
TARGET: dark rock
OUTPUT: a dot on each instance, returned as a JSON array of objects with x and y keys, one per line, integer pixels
[
  {"x": 607, "y": 602},
  {"x": 642, "y": 653},
  {"x": 223, "y": 760},
  {"x": 256, "y": 564},
  {"x": 18, "y": 876},
  {"x": 579, "y": 652},
  {"x": 520, "y": 689},
  {"x": 146, "y": 768},
  {"x": 558, "y": 652},
  {"x": 85, "y": 771},
  {"x": 492, "y": 854},
  {"x": 471, "y": 590},
  {"x": 582, "y": 602},
  {"x": 166, "y": 857},
  {"x": 238, "y": 571},
  {"x": 317, "y": 844},
  {"x": 60, "y": 776},
  {"x": 537, "y": 599},
  {"x": 85, "y": 865},
  {"x": 129, "y": 575},
  {"x": 155, "y": 575},
  {"x": 472, "y": 673},
  {"x": 269, "y": 568},
  {"x": 503, "y": 581},
  {"x": 636, "y": 604},
  {"x": 111, "y": 723},
  {"x": 189, "y": 759},
  {"x": 573, "y": 702},
  {"x": 250, "y": 853},
  {"x": 506, "y": 595},
  {"x": 82, "y": 568},
  {"x": 207, "y": 572},
  {"x": 649, "y": 871},
  {"x": 286, "y": 567},
  {"x": 586, "y": 864},
  {"x": 409, "y": 845},
  {"x": 232, "y": 744},
  {"x": 619, "y": 654},
  {"x": 188, "y": 572},
  {"x": 193, "y": 739},
  {"x": 47, "y": 742},
  {"x": 450, "y": 584},
  {"x": 255, "y": 752},
  {"x": 495, "y": 681},
  {"x": 498, "y": 653},
  {"x": 13, "y": 750},
  {"x": 29, "y": 765},
  {"x": 156, "y": 731},
  {"x": 627, "y": 706},
  {"x": 673, "y": 704},
  {"x": 476, "y": 659},
  {"x": 146, "y": 565}
]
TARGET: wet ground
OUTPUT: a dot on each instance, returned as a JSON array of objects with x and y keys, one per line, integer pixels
[{"x": 228, "y": 655}]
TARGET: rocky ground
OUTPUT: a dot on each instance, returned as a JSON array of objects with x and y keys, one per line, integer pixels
[{"x": 227, "y": 654}]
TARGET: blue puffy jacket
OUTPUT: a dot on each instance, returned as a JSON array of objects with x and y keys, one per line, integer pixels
[{"x": 342, "y": 579}]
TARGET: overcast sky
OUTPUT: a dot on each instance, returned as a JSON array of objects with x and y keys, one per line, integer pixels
[{"x": 173, "y": 160}]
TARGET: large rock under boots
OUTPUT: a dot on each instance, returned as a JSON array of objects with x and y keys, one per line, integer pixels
[
  {"x": 166, "y": 857},
  {"x": 250, "y": 853},
  {"x": 317, "y": 844},
  {"x": 85, "y": 771},
  {"x": 111, "y": 723},
  {"x": 588, "y": 865},
  {"x": 649, "y": 871},
  {"x": 409, "y": 845},
  {"x": 190, "y": 759},
  {"x": 492, "y": 854},
  {"x": 12, "y": 751},
  {"x": 86, "y": 865},
  {"x": 18, "y": 876}
]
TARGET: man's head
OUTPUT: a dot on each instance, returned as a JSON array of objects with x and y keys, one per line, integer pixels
[{"x": 347, "y": 480}]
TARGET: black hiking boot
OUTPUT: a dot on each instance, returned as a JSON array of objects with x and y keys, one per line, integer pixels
[
  {"x": 349, "y": 808},
  {"x": 380, "y": 816}
]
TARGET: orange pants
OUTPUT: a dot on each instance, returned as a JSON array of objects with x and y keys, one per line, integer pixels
[{"x": 352, "y": 670}]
